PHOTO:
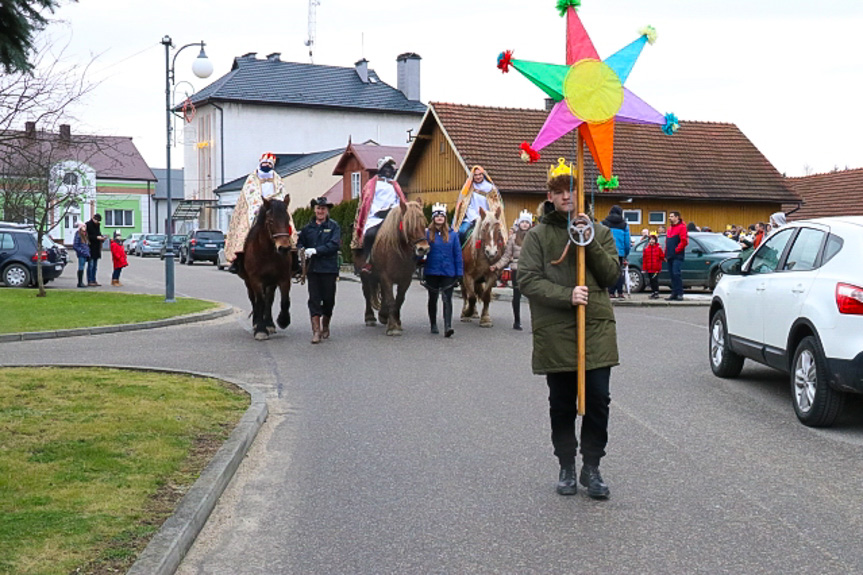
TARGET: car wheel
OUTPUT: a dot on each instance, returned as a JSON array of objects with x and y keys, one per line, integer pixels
[
  {"x": 636, "y": 280},
  {"x": 714, "y": 278},
  {"x": 16, "y": 276},
  {"x": 723, "y": 361},
  {"x": 815, "y": 402}
]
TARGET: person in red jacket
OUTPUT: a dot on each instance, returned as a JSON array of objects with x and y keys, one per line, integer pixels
[
  {"x": 118, "y": 254},
  {"x": 676, "y": 240},
  {"x": 652, "y": 264}
]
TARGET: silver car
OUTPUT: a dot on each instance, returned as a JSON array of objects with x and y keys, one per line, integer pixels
[{"x": 150, "y": 245}]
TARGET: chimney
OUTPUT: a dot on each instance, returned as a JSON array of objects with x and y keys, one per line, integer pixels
[
  {"x": 65, "y": 132},
  {"x": 274, "y": 57},
  {"x": 549, "y": 104},
  {"x": 409, "y": 75},
  {"x": 30, "y": 128},
  {"x": 362, "y": 67}
]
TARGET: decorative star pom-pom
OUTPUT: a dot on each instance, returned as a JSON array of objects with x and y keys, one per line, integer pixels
[
  {"x": 528, "y": 154},
  {"x": 671, "y": 124},
  {"x": 504, "y": 60},
  {"x": 605, "y": 185},
  {"x": 650, "y": 32},
  {"x": 563, "y": 5}
]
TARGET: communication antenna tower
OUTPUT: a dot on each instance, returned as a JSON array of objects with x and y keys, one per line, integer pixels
[{"x": 310, "y": 42}]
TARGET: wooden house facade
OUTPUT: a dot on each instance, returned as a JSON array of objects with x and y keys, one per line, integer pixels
[
  {"x": 359, "y": 164},
  {"x": 709, "y": 172}
]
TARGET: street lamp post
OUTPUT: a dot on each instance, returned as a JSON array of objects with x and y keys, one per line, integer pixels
[{"x": 202, "y": 68}]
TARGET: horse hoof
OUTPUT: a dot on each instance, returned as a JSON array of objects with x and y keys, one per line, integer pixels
[
  {"x": 262, "y": 336},
  {"x": 465, "y": 319},
  {"x": 271, "y": 329},
  {"x": 371, "y": 323},
  {"x": 394, "y": 332},
  {"x": 283, "y": 321},
  {"x": 486, "y": 323}
]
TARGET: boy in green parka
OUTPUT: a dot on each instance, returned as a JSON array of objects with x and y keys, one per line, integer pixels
[{"x": 550, "y": 286}]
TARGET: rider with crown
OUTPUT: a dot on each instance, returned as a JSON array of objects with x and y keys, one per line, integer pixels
[
  {"x": 381, "y": 194},
  {"x": 478, "y": 192},
  {"x": 262, "y": 183}
]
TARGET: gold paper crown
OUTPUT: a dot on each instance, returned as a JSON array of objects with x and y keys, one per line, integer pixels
[
  {"x": 438, "y": 207},
  {"x": 525, "y": 215},
  {"x": 268, "y": 157},
  {"x": 561, "y": 169}
]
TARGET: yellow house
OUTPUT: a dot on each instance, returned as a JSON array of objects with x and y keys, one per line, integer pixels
[{"x": 709, "y": 172}]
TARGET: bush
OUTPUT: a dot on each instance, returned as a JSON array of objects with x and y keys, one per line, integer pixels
[{"x": 343, "y": 214}]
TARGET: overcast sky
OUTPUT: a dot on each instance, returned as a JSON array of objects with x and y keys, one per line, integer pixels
[{"x": 788, "y": 73}]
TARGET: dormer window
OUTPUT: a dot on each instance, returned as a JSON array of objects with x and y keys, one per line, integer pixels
[{"x": 70, "y": 179}]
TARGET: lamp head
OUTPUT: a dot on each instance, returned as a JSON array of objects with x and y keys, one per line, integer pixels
[{"x": 202, "y": 68}]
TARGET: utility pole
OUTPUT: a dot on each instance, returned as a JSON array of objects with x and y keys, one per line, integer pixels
[{"x": 310, "y": 41}]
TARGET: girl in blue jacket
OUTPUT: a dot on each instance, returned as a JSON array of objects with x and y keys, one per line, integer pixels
[{"x": 443, "y": 267}]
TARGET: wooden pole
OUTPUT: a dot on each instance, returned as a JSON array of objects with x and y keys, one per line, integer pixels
[{"x": 581, "y": 277}]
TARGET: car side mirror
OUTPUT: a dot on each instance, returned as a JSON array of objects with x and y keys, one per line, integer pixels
[
  {"x": 698, "y": 252},
  {"x": 732, "y": 267}
]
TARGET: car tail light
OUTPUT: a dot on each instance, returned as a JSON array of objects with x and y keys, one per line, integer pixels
[
  {"x": 849, "y": 298},
  {"x": 41, "y": 256},
  {"x": 193, "y": 241}
]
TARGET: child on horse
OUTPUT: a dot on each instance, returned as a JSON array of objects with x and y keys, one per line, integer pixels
[{"x": 478, "y": 192}]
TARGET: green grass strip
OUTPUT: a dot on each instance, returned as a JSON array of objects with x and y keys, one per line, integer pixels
[
  {"x": 93, "y": 460},
  {"x": 21, "y": 310}
]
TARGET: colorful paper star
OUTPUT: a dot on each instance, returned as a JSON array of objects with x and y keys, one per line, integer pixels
[{"x": 589, "y": 92}]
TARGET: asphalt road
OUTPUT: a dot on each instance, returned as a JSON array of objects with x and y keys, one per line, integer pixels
[{"x": 420, "y": 454}]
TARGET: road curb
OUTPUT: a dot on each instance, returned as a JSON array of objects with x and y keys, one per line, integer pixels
[
  {"x": 175, "y": 537},
  {"x": 222, "y": 311}
]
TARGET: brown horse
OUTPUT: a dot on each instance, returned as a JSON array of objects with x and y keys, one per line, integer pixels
[
  {"x": 399, "y": 242},
  {"x": 484, "y": 248},
  {"x": 267, "y": 265}
]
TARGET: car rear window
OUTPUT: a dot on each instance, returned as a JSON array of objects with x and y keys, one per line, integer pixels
[
  {"x": 833, "y": 247},
  {"x": 155, "y": 238},
  {"x": 6, "y": 242},
  {"x": 210, "y": 236}
]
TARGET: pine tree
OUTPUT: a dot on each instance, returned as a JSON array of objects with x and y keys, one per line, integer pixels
[{"x": 19, "y": 20}]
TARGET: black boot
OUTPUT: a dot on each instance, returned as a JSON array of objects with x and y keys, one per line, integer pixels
[
  {"x": 447, "y": 315},
  {"x": 81, "y": 279},
  {"x": 432, "y": 309},
  {"x": 591, "y": 479},
  {"x": 566, "y": 480}
]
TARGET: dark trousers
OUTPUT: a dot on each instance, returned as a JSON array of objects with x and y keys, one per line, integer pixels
[
  {"x": 116, "y": 274},
  {"x": 675, "y": 268},
  {"x": 371, "y": 234},
  {"x": 654, "y": 282},
  {"x": 516, "y": 298},
  {"x": 92, "y": 267},
  {"x": 621, "y": 281},
  {"x": 444, "y": 286},
  {"x": 322, "y": 293},
  {"x": 563, "y": 408}
]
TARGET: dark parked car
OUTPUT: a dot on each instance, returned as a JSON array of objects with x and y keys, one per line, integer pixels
[
  {"x": 176, "y": 241},
  {"x": 19, "y": 258},
  {"x": 202, "y": 245},
  {"x": 701, "y": 260}
]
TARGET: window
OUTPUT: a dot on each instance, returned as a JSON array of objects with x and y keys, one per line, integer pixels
[
  {"x": 805, "y": 250},
  {"x": 834, "y": 245},
  {"x": 356, "y": 183},
  {"x": 6, "y": 242},
  {"x": 70, "y": 179},
  {"x": 656, "y": 218},
  {"x": 766, "y": 259},
  {"x": 119, "y": 218},
  {"x": 632, "y": 216}
]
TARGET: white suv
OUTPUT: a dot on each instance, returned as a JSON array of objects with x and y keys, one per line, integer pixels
[{"x": 797, "y": 305}]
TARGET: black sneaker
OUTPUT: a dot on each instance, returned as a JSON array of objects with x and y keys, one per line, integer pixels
[
  {"x": 516, "y": 326},
  {"x": 590, "y": 478},
  {"x": 448, "y": 332},
  {"x": 434, "y": 329},
  {"x": 566, "y": 480}
]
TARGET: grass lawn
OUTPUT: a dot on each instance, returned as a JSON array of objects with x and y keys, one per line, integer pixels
[
  {"x": 92, "y": 461},
  {"x": 65, "y": 309}
]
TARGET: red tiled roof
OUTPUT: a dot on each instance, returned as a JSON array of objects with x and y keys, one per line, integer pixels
[
  {"x": 112, "y": 157},
  {"x": 368, "y": 156},
  {"x": 833, "y": 194},
  {"x": 703, "y": 161}
]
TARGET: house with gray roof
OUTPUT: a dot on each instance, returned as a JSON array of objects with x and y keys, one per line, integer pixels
[{"x": 267, "y": 105}]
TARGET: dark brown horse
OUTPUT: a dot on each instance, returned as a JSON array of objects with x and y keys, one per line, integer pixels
[
  {"x": 483, "y": 249},
  {"x": 399, "y": 242},
  {"x": 267, "y": 265}
]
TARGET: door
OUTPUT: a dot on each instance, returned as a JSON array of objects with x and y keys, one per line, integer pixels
[
  {"x": 693, "y": 271},
  {"x": 786, "y": 290},
  {"x": 745, "y": 306},
  {"x": 70, "y": 224}
]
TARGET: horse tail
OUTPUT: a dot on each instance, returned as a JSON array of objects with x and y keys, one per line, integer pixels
[{"x": 376, "y": 295}]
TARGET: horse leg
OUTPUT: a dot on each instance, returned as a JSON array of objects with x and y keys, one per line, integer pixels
[
  {"x": 467, "y": 294},
  {"x": 388, "y": 311},
  {"x": 259, "y": 327},
  {"x": 401, "y": 290},
  {"x": 485, "y": 319},
  {"x": 284, "y": 319},
  {"x": 367, "y": 294},
  {"x": 269, "y": 297}
]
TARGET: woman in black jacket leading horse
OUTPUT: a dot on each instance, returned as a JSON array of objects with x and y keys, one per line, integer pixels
[{"x": 321, "y": 239}]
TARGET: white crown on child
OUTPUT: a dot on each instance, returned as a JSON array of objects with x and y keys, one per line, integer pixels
[
  {"x": 525, "y": 216},
  {"x": 439, "y": 208}
]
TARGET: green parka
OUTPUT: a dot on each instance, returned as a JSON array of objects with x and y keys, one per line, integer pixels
[{"x": 549, "y": 291}]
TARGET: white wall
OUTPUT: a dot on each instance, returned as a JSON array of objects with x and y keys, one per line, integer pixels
[{"x": 253, "y": 129}]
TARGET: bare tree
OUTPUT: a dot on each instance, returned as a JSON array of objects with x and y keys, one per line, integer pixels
[{"x": 44, "y": 169}]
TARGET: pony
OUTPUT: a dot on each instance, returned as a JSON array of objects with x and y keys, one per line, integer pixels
[
  {"x": 267, "y": 264},
  {"x": 399, "y": 242},
  {"x": 484, "y": 247}
]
